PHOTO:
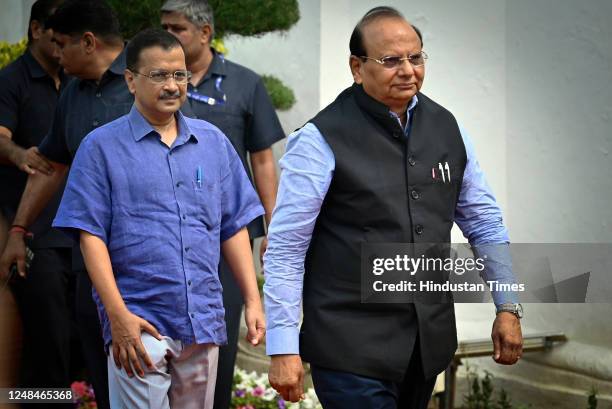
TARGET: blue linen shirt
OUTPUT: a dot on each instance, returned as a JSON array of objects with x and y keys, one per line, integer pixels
[
  {"x": 307, "y": 171},
  {"x": 162, "y": 212}
]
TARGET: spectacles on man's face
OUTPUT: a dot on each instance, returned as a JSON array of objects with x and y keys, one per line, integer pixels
[
  {"x": 161, "y": 76},
  {"x": 393, "y": 61}
]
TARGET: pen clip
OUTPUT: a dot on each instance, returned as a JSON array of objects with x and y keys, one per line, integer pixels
[
  {"x": 199, "y": 177},
  {"x": 441, "y": 172}
]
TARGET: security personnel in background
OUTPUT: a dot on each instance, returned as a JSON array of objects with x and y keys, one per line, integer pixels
[
  {"x": 90, "y": 48},
  {"x": 29, "y": 91},
  {"x": 234, "y": 99}
]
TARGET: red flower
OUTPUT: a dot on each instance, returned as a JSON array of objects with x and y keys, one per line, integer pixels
[{"x": 79, "y": 388}]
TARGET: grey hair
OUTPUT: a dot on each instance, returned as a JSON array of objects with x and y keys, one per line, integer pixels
[{"x": 198, "y": 12}]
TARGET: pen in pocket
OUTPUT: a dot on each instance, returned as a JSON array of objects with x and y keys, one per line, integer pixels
[{"x": 199, "y": 177}]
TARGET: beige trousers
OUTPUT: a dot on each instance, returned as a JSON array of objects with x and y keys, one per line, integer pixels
[{"x": 184, "y": 378}]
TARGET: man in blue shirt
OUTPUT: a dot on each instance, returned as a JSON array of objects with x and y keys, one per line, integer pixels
[
  {"x": 155, "y": 198},
  {"x": 382, "y": 163}
]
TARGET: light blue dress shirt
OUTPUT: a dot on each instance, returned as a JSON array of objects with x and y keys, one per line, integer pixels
[{"x": 307, "y": 171}]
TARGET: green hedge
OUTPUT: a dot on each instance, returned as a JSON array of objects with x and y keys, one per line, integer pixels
[
  {"x": 281, "y": 95},
  {"x": 242, "y": 17},
  {"x": 9, "y": 52}
]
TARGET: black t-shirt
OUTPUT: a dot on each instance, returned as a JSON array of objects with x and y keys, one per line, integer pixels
[
  {"x": 28, "y": 98},
  {"x": 84, "y": 106},
  {"x": 246, "y": 114}
]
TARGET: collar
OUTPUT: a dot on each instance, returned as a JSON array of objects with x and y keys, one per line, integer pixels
[
  {"x": 141, "y": 127},
  {"x": 378, "y": 110},
  {"x": 118, "y": 66},
  {"x": 411, "y": 106},
  {"x": 216, "y": 67},
  {"x": 34, "y": 67}
]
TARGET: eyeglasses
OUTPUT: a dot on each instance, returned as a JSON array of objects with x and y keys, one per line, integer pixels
[
  {"x": 160, "y": 76},
  {"x": 391, "y": 62}
]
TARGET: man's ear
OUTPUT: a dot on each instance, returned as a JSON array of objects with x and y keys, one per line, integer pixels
[
  {"x": 355, "y": 64},
  {"x": 88, "y": 41},
  {"x": 36, "y": 29},
  {"x": 206, "y": 34},
  {"x": 129, "y": 79}
]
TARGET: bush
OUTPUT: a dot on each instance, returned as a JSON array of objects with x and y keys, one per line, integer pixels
[
  {"x": 254, "y": 17},
  {"x": 9, "y": 52},
  {"x": 242, "y": 17},
  {"x": 281, "y": 95}
]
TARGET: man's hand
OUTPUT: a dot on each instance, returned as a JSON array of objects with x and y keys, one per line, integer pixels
[
  {"x": 263, "y": 246},
  {"x": 286, "y": 376},
  {"x": 507, "y": 338},
  {"x": 14, "y": 252},
  {"x": 31, "y": 160},
  {"x": 126, "y": 329},
  {"x": 255, "y": 322}
]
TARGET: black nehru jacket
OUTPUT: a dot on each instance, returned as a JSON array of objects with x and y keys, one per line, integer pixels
[{"x": 382, "y": 191}]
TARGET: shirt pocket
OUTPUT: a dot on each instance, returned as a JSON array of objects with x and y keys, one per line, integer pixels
[
  {"x": 442, "y": 191},
  {"x": 207, "y": 203}
]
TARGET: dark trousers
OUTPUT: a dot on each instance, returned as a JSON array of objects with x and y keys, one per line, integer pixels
[
  {"x": 232, "y": 302},
  {"x": 341, "y": 390},
  {"x": 51, "y": 355},
  {"x": 90, "y": 332}
]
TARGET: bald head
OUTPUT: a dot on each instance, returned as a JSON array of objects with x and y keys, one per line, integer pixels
[
  {"x": 387, "y": 58},
  {"x": 356, "y": 43}
]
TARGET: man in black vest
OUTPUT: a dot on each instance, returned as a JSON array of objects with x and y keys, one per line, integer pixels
[{"x": 382, "y": 164}]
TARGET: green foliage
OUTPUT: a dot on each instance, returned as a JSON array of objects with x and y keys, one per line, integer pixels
[
  {"x": 504, "y": 402},
  {"x": 254, "y": 17},
  {"x": 241, "y": 17},
  {"x": 480, "y": 393},
  {"x": 282, "y": 96},
  {"x": 481, "y": 396},
  {"x": 9, "y": 52}
]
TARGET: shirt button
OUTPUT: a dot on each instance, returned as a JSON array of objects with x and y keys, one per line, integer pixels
[
  {"x": 184, "y": 217},
  {"x": 415, "y": 195},
  {"x": 186, "y": 249},
  {"x": 189, "y": 282},
  {"x": 411, "y": 161},
  {"x": 192, "y": 315},
  {"x": 178, "y": 184},
  {"x": 418, "y": 229}
]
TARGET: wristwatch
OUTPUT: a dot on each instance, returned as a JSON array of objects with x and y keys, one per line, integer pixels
[{"x": 516, "y": 309}]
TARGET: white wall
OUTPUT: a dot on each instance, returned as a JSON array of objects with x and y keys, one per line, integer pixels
[
  {"x": 14, "y": 18},
  {"x": 293, "y": 57},
  {"x": 559, "y": 109}
]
